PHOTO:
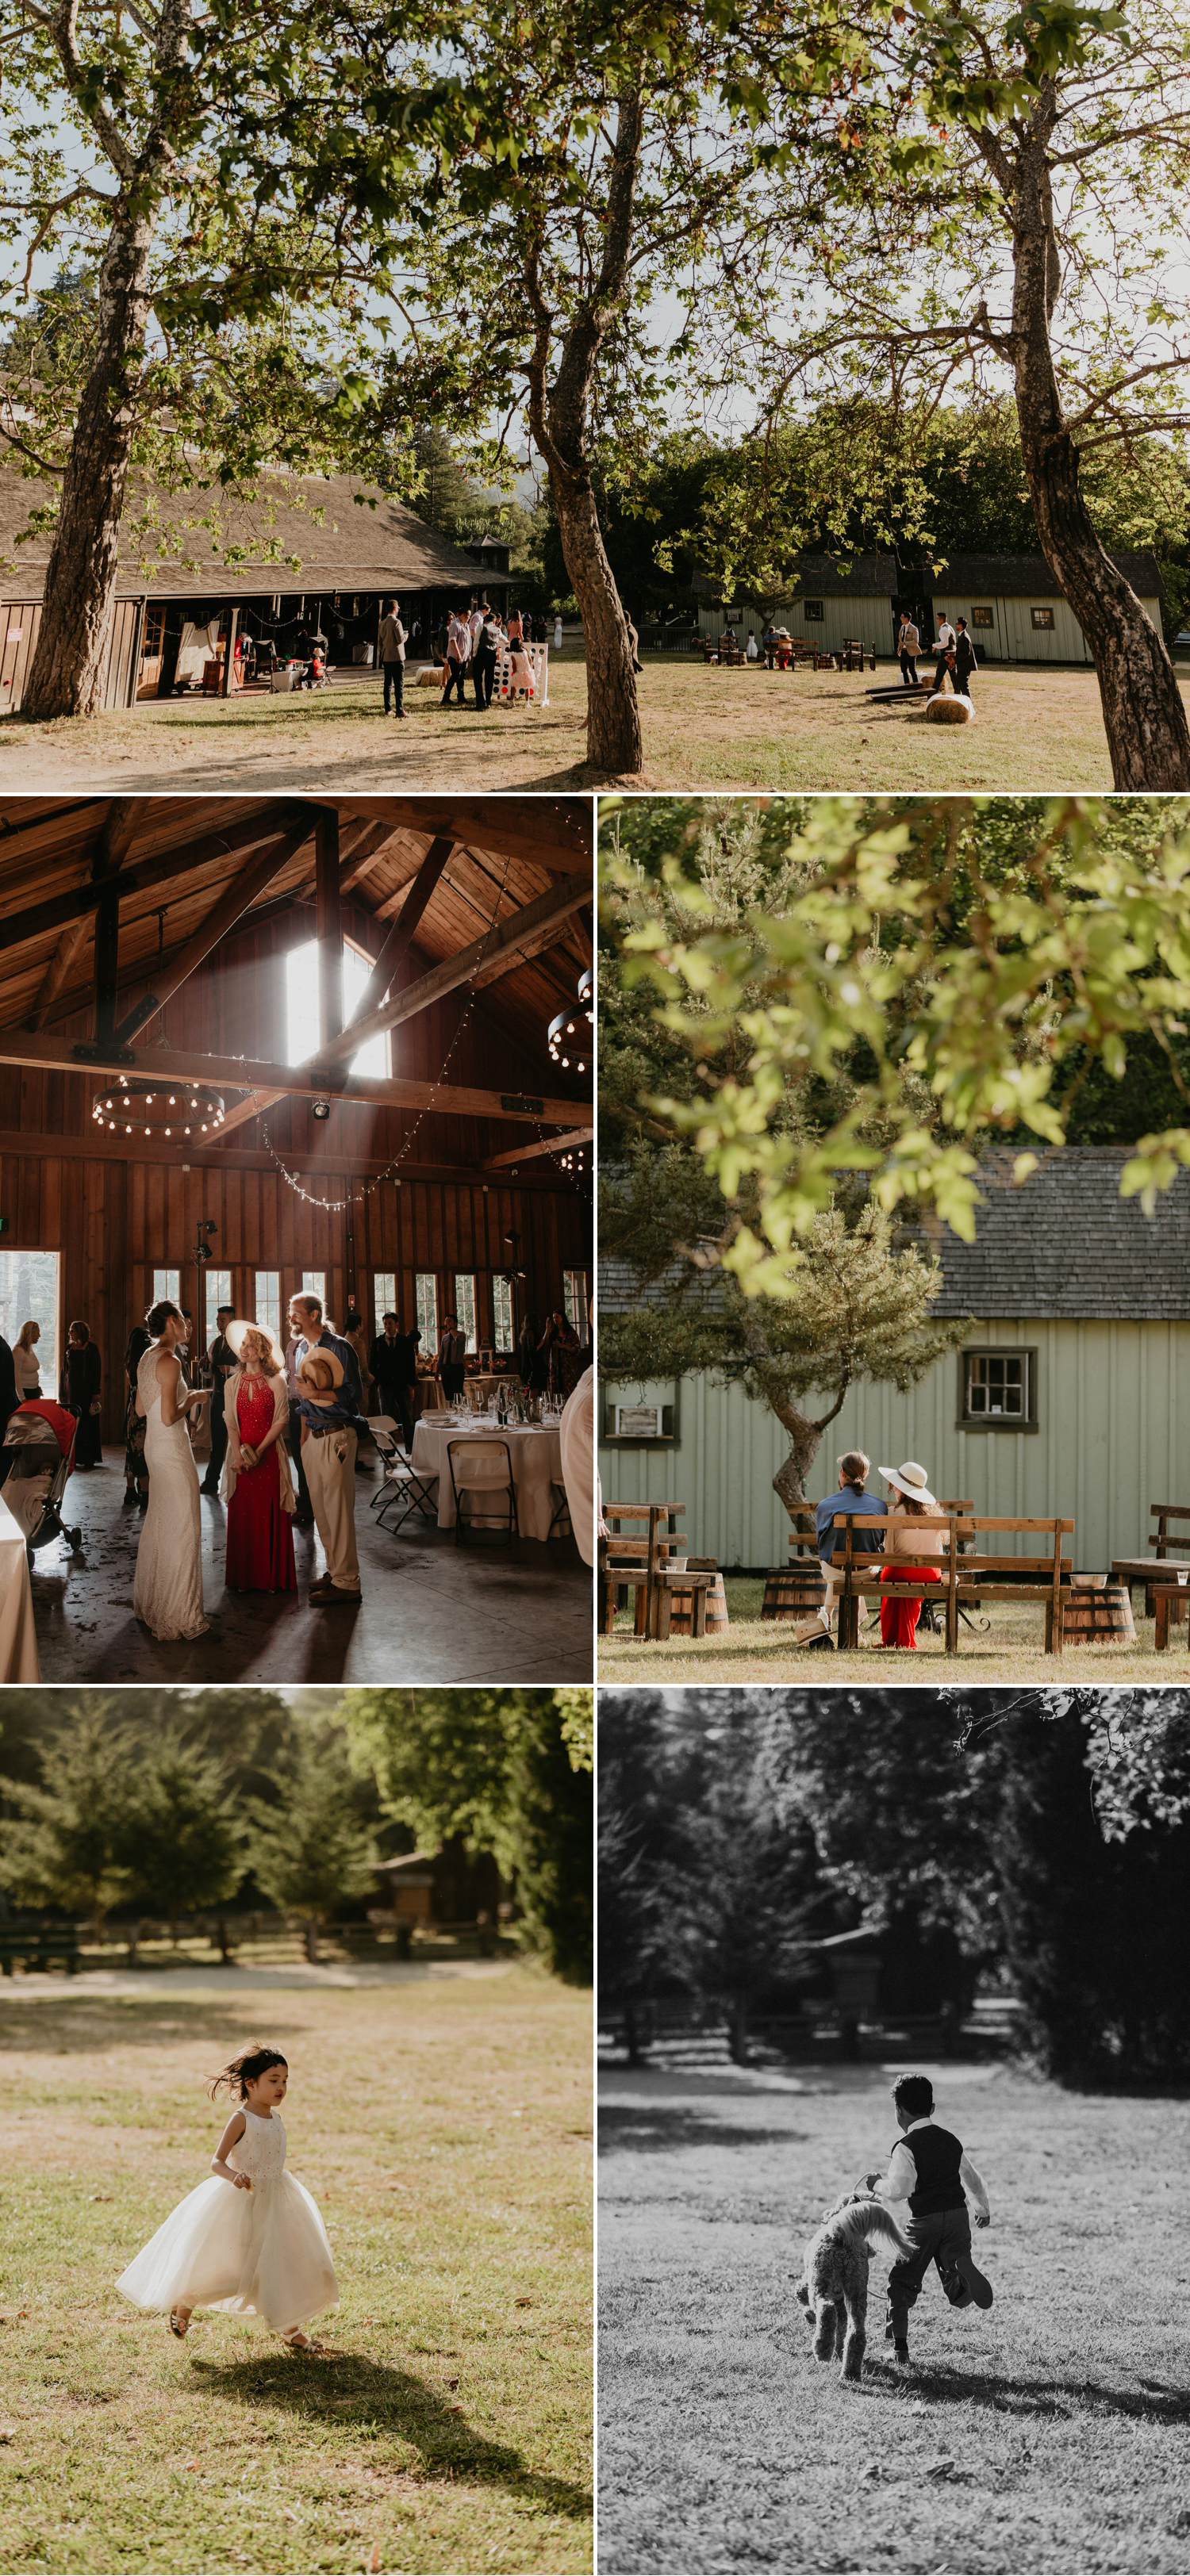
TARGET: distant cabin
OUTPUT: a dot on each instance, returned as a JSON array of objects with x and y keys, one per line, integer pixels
[
  {"x": 1070, "y": 1394},
  {"x": 320, "y": 552},
  {"x": 1012, "y": 604}
]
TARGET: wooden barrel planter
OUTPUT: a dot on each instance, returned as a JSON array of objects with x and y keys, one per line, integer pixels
[
  {"x": 794, "y": 1591},
  {"x": 1098, "y": 1615},
  {"x": 681, "y": 1609}
]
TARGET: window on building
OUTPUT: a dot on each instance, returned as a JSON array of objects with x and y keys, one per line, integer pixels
[
  {"x": 999, "y": 1389},
  {"x": 29, "y": 1295},
  {"x": 302, "y": 1013},
  {"x": 983, "y": 616},
  {"x": 465, "y": 1306},
  {"x": 267, "y": 1296},
  {"x": 814, "y": 609},
  {"x": 384, "y": 1293},
  {"x": 165, "y": 1284},
  {"x": 427, "y": 1309},
  {"x": 1043, "y": 617},
  {"x": 574, "y": 1294},
  {"x": 216, "y": 1292},
  {"x": 314, "y": 1283},
  {"x": 501, "y": 1312}
]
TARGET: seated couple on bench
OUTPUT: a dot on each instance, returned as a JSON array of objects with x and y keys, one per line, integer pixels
[{"x": 907, "y": 1550}]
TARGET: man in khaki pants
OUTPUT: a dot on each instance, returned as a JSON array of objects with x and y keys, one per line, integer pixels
[{"x": 328, "y": 1456}]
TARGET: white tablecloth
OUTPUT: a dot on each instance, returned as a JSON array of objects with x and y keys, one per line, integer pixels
[
  {"x": 536, "y": 1464},
  {"x": 18, "y": 1637}
]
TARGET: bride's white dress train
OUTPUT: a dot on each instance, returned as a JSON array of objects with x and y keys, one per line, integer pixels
[
  {"x": 167, "y": 1593},
  {"x": 261, "y": 2253}
]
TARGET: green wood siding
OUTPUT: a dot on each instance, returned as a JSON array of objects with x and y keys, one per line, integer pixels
[{"x": 1113, "y": 1407}]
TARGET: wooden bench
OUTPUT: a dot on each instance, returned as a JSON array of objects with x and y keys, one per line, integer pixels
[
  {"x": 647, "y": 1563},
  {"x": 966, "y": 1575},
  {"x": 40, "y": 1948},
  {"x": 1139, "y": 1569}
]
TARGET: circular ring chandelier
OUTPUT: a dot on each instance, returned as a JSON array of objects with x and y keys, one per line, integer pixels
[
  {"x": 570, "y": 1034},
  {"x": 188, "y": 1109}
]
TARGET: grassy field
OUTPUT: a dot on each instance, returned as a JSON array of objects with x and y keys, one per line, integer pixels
[
  {"x": 703, "y": 728},
  {"x": 444, "y": 2127},
  {"x": 763, "y": 1650},
  {"x": 1047, "y": 2438}
]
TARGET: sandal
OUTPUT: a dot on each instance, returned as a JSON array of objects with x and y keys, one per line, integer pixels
[
  {"x": 179, "y": 2324},
  {"x": 299, "y": 2342}
]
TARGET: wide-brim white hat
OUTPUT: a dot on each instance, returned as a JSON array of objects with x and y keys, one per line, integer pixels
[
  {"x": 912, "y": 1480},
  {"x": 234, "y": 1337}
]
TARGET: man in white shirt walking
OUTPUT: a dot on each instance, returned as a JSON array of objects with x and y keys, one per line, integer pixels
[
  {"x": 946, "y": 640},
  {"x": 458, "y": 654},
  {"x": 931, "y": 2169}
]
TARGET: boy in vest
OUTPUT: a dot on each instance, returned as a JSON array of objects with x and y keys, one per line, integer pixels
[{"x": 929, "y": 2169}]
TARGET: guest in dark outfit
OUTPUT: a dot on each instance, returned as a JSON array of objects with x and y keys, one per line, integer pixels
[
  {"x": 136, "y": 1465},
  {"x": 8, "y": 1383},
  {"x": 560, "y": 1344},
  {"x": 223, "y": 1360},
  {"x": 82, "y": 1377},
  {"x": 392, "y": 1361},
  {"x": 452, "y": 1353}
]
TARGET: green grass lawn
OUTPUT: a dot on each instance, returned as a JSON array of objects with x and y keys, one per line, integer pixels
[
  {"x": 1045, "y": 2438},
  {"x": 703, "y": 728},
  {"x": 445, "y": 2130},
  {"x": 759, "y": 1650}
]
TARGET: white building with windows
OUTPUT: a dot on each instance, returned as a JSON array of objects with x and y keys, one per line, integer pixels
[
  {"x": 1070, "y": 1393},
  {"x": 1012, "y": 604}
]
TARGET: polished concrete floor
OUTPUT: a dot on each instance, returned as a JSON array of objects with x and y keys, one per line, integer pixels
[{"x": 430, "y": 1611}]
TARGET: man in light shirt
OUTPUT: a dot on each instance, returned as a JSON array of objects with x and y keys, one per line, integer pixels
[
  {"x": 946, "y": 640},
  {"x": 931, "y": 2170},
  {"x": 458, "y": 654}
]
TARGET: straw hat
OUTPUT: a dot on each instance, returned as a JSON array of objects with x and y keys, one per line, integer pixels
[
  {"x": 335, "y": 1366},
  {"x": 234, "y": 1338},
  {"x": 912, "y": 1480}
]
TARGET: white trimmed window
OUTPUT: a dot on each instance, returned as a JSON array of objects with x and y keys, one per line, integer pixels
[
  {"x": 427, "y": 1310},
  {"x": 465, "y": 1306},
  {"x": 267, "y": 1300},
  {"x": 576, "y": 1302},
  {"x": 501, "y": 1312},
  {"x": 302, "y": 1015}
]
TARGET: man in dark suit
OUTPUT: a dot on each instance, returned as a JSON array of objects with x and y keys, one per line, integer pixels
[{"x": 393, "y": 1363}]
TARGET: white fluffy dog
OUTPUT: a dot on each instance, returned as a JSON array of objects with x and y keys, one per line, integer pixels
[{"x": 833, "y": 2288}]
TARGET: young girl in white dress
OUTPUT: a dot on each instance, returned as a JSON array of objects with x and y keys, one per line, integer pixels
[
  {"x": 167, "y": 1593},
  {"x": 251, "y": 2239}
]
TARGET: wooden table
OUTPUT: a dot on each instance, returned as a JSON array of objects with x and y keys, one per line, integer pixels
[{"x": 1160, "y": 1575}]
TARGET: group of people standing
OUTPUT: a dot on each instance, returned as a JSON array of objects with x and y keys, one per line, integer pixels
[
  {"x": 956, "y": 653},
  {"x": 470, "y": 639}
]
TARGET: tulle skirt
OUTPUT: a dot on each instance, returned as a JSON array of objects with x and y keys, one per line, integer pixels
[{"x": 259, "y": 2253}]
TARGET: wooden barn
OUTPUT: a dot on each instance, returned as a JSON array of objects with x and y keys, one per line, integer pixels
[
  {"x": 319, "y": 553},
  {"x": 186, "y": 1113}
]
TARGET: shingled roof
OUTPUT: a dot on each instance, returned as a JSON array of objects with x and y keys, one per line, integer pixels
[
  {"x": 1027, "y": 577},
  {"x": 344, "y": 534},
  {"x": 1063, "y": 1245}
]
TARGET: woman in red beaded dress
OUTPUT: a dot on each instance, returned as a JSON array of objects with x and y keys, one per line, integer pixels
[{"x": 256, "y": 1478}]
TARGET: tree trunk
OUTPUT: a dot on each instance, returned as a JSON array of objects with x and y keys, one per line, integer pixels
[
  {"x": 613, "y": 717},
  {"x": 737, "y": 2030},
  {"x": 1143, "y": 711},
  {"x": 68, "y": 673},
  {"x": 560, "y": 416},
  {"x": 806, "y": 1438}
]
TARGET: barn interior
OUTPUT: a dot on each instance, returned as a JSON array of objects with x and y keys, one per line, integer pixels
[{"x": 357, "y": 995}]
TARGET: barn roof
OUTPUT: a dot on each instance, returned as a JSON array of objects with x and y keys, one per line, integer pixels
[
  {"x": 323, "y": 532},
  {"x": 1028, "y": 576},
  {"x": 871, "y": 576},
  {"x": 1064, "y": 1245},
  {"x": 1067, "y": 1244}
]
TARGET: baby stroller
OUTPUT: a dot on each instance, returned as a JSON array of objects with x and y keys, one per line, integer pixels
[{"x": 35, "y": 1463}]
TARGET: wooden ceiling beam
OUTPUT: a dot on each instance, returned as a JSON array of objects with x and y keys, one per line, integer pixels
[
  {"x": 554, "y": 834},
  {"x": 149, "y": 873},
  {"x": 535, "y": 926},
  {"x": 544, "y": 1145},
  {"x": 237, "y": 899},
  {"x": 48, "y": 1051},
  {"x": 56, "y": 972},
  {"x": 17, "y": 1142},
  {"x": 400, "y": 938}
]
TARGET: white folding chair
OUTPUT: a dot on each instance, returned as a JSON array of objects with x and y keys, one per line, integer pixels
[
  {"x": 483, "y": 1469},
  {"x": 400, "y": 1480}
]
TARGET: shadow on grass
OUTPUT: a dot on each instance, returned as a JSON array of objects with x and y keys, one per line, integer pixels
[
  {"x": 1154, "y": 2402},
  {"x": 353, "y": 2391},
  {"x": 653, "y": 2130},
  {"x": 73, "y": 2024}
]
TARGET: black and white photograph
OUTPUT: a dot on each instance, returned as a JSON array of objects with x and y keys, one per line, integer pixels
[{"x": 894, "y": 2111}]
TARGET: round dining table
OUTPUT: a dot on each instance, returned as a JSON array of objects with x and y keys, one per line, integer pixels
[{"x": 535, "y": 1450}]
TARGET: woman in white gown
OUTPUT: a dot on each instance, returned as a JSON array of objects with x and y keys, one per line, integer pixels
[
  {"x": 249, "y": 2240},
  {"x": 167, "y": 1593}
]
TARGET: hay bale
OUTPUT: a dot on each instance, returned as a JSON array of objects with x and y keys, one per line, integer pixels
[
  {"x": 949, "y": 710},
  {"x": 430, "y": 677}
]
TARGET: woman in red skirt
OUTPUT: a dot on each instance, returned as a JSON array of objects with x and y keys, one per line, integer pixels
[
  {"x": 904, "y": 1540},
  {"x": 256, "y": 1479}
]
